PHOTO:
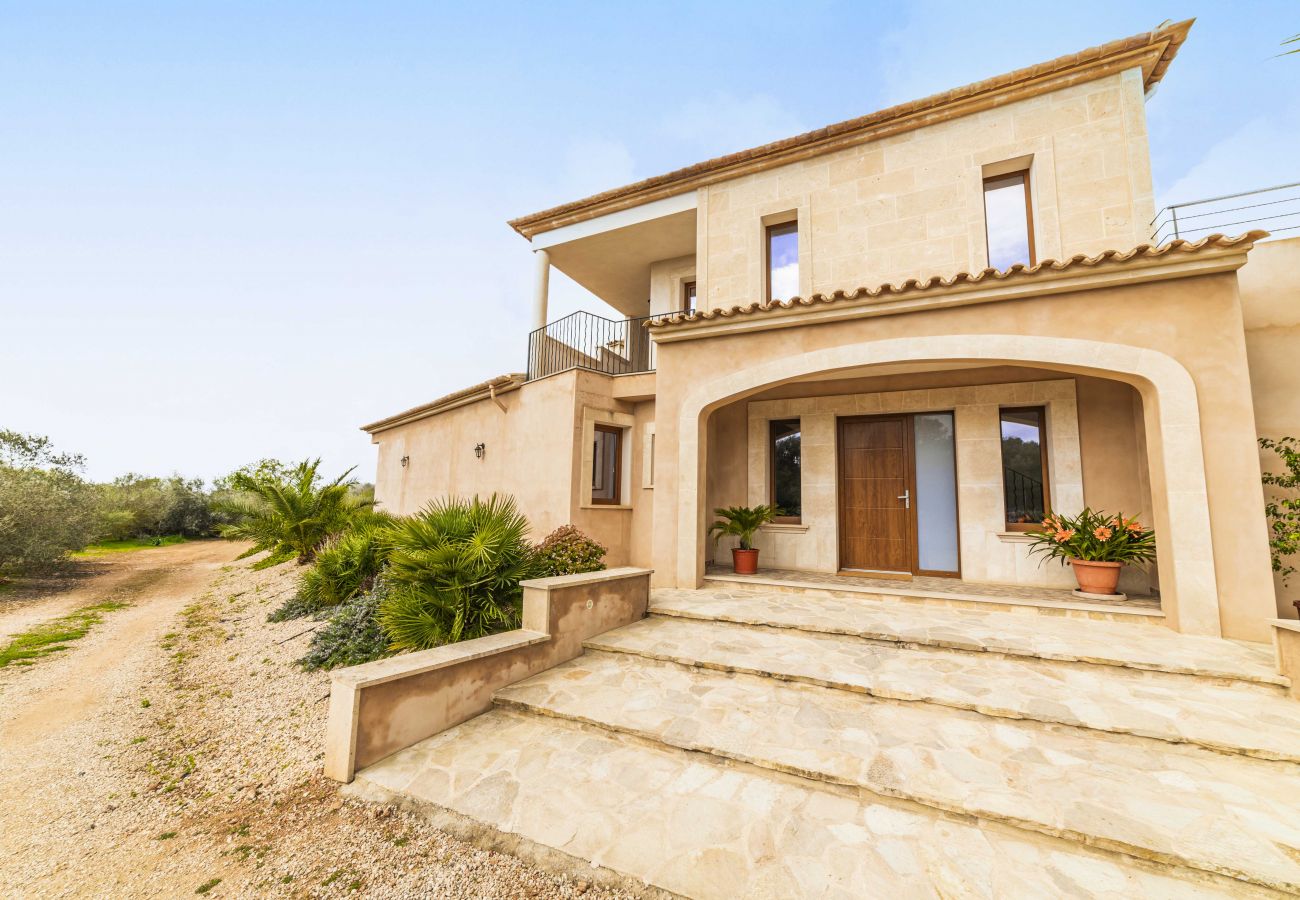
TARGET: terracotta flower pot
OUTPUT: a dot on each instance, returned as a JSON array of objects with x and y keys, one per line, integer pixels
[
  {"x": 1096, "y": 577},
  {"x": 744, "y": 562}
]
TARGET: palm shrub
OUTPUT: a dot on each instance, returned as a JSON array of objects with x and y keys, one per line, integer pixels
[
  {"x": 290, "y": 514},
  {"x": 454, "y": 571},
  {"x": 567, "y": 551},
  {"x": 742, "y": 522},
  {"x": 348, "y": 563}
]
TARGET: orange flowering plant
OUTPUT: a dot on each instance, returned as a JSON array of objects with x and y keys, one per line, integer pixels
[{"x": 1094, "y": 537}]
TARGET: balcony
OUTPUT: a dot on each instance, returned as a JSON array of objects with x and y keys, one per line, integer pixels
[
  {"x": 1275, "y": 209},
  {"x": 583, "y": 340}
]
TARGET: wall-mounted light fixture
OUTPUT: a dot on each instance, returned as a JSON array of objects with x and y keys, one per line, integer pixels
[
  {"x": 479, "y": 449},
  {"x": 405, "y": 460}
]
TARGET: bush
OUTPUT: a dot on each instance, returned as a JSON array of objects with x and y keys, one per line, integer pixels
[
  {"x": 135, "y": 506},
  {"x": 567, "y": 551},
  {"x": 1282, "y": 505},
  {"x": 46, "y": 509},
  {"x": 454, "y": 572},
  {"x": 352, "y": 634},
  {"x": 288, "y": 514},
  {"x": 348, "y": 563}
]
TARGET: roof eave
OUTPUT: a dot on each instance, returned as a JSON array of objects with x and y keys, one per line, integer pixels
[{"x": 1153, "y": 52}]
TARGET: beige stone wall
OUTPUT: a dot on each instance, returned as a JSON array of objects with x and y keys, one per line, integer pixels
[
  {"x": 1179, "y": 343},
  {"x": 668, "y": 280},
  {"x": 1270, "y": 298},
  {"x": 911, "y": 205},
  {"x": 532, "y": 452}
]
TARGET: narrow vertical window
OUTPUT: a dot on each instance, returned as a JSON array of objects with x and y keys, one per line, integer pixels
[
  {"x": 1008, "y": 220},
  {"x": 605, "y": 464},
  {"x": 782, "y": 261},
  {"x": 688, "y": 297},
  {"x": 787, "y": 469},
  {"x": 1024, "y": 467}
]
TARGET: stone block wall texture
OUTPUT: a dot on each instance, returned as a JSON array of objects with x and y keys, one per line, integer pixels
[{"x": 911, "y": 205}]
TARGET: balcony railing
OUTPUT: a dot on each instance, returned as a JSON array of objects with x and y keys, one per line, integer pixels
[
  {"x": 1275, "y": 209},
  {"x": 583, "y": 340}
]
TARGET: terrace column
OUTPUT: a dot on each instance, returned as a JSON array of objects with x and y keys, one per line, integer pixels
[{"x": 541, "y": 288}]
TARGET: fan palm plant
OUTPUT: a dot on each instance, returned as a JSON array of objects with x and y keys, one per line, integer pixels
[
  {"x": 454, "y": 571},
  {"x": 742, "y": 522},
  {"x": 348, "y": 563},
  {"x": 291, "y": 515}
]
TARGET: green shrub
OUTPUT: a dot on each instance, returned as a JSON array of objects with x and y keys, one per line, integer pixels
[
  {"x": 1282, "y": 505},
  {"x": 567, "y": 551},
  {"x": 46, "y": 509},
  {"x": 348, "y": 563},
  {"x": 289, "y": 514},
  {"x": 454, "y": 571},
  {"x": 352, "y": 635}
]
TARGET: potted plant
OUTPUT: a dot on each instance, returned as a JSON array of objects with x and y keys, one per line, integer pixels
[
  {"x": 742, "y": 522},
  {"x": 1097, "y": 545}
]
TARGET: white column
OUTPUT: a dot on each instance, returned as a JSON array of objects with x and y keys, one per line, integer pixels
[{"x": 541, "y": 288}]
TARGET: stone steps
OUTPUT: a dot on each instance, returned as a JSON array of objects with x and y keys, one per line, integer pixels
[
  {"x": 1102, "y": 643},
  {"x": 1235, "y": 717},
  {"x": 1165, "y": 804},
  {"x": 654, "y": 819}
]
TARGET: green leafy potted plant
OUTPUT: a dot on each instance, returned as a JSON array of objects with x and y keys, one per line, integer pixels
[
  {"x": 742, "y": 522},
  {"x": 1096, "y": 545}
]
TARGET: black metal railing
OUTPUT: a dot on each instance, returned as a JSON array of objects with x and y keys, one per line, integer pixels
[
  {"x": 1275, "y": 209},
  {"x": 1023, "y": 495},
  {"x": 583, "y": 340}
]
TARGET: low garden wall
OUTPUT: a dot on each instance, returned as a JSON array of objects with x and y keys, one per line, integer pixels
[
  {"x": 381, "y": 707},
  {"x": 1286, "y": 639}
]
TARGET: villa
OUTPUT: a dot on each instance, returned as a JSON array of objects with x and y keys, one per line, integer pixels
[{"x": 917, "y": 333}]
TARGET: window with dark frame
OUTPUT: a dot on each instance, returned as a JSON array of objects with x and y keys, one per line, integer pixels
[
  {"x": 1008, "y": 220},
  {"x": 782, "y": 261},
  {"x": 688, "y": 296},
  {"x": 1024, "y": 467},
  {"x": 606, "y": 465},
  {"x": 785, "y": 451}
]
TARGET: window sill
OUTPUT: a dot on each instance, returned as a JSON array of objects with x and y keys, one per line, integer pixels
[
  {"x": 785, "y": 527},
  {"x": 1015, "y": 537},
  {"x": 605, "y": 506}
]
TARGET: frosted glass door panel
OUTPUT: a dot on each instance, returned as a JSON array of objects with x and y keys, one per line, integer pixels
[{"x": 936, "y": 492}]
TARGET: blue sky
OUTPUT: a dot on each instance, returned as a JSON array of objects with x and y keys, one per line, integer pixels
[{"x": 230, "y": 230}]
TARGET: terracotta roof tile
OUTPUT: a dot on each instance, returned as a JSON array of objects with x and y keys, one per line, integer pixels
[
  {"x": 936, "y": 282},
  {"x": 508, "y": 382}
]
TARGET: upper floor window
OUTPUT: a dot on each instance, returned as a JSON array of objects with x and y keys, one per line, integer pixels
[
  {"x": 688, "y": 296},
  {"x": 787, "y": 469},
  {"x": 782, "y": 261},
  {"x": 607, "y": 465},
  {"x": 1024, "y": 467},
  {"x": 1008, "y": 220}
]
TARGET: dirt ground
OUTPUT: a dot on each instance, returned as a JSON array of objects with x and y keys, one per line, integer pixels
[{"x": 175, "y": 751}]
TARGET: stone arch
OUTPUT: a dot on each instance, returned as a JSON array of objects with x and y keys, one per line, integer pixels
[{"x": 1171, "y": 418}]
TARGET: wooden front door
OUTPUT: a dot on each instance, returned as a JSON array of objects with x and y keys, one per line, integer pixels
[{"x": 875, "y": 479}]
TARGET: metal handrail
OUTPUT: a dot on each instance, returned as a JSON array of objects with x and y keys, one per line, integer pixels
[
  {"x": 583, "y": 340},
  {"x": 1023, "y": 496},
  {"x": 1174, "y": 225}
]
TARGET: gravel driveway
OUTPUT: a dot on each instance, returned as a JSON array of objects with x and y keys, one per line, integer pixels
[{"x": 176, "y": 750}]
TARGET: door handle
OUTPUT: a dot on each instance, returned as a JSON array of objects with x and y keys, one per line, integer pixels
[{"x": 906, "y": 497}]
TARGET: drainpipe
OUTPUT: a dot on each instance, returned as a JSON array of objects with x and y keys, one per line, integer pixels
[{"x": 541, "y": 288}]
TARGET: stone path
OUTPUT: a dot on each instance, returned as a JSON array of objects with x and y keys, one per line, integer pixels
[
  {"x": 1240, "y": 717},
  {"x": 789, "y": 744},
  {"x": 1126, "y": 644}
]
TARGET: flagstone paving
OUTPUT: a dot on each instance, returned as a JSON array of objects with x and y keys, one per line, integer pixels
[
  {"x": 1126, "y": 644},
  {"x": 1230, "y": 815},
  {"x": 1238, "y": 717},
  {"x": 687, "y": 824}
]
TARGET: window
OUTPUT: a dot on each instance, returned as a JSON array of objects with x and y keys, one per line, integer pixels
[
  {"x": 1008, "y": 220},
  {"x": 783, "y": 261},
  {"x": 688, "y": 296},
  {"x": 1024, "y": 467},
  {"x": 787, "y": 469},
  {"x": 607, "y": 465}
]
